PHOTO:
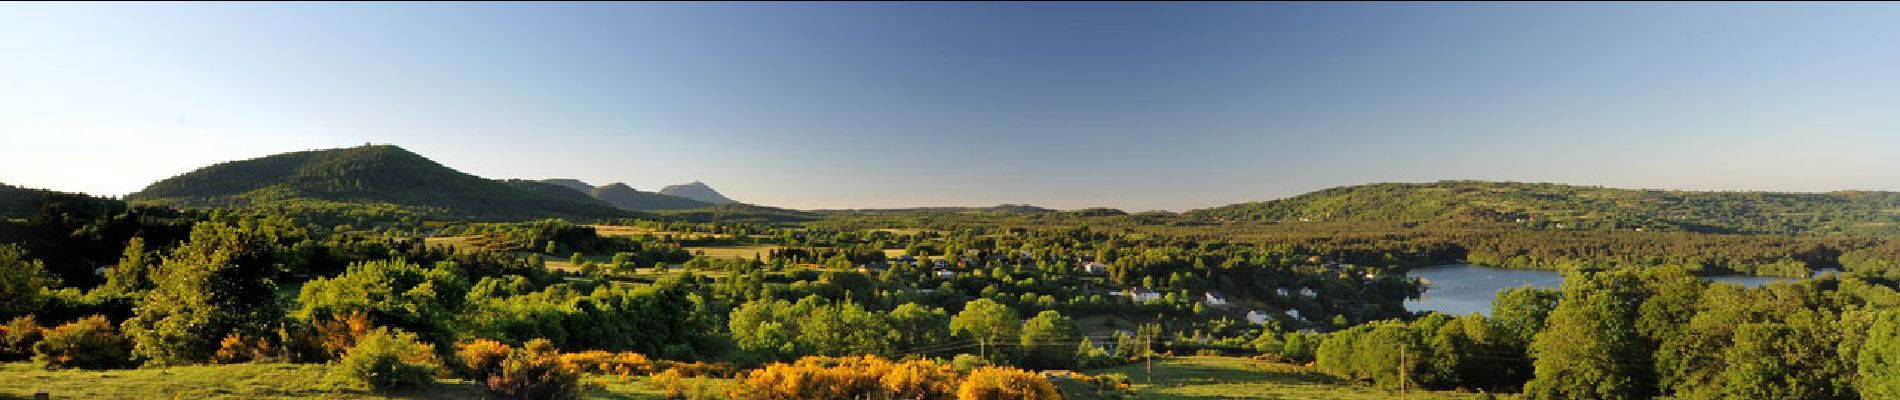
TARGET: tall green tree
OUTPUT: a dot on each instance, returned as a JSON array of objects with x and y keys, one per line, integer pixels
[
  {"x": 985, "y": 321},
  {"x": 216, "y": 283},
  {"x": 917, "y": 327},
  {"x": 133, "y": 275},
  {"x": 23, "y": 282},
  {"x": 1793, "y": 360},
  {"x": 1049, "y": 341},
  {"x": 1879, "y": 359},
  {"x": 394, "y": 293},
  {"x": 1519, "y": 313},
  {"x": 1590, "y": 347}
]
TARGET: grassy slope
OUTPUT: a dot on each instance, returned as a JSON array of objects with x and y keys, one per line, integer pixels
[
  {"x": 1175, "y": 378},
  {"x": 1241, "y": 378},
  {"x": 243, "y": 381}
]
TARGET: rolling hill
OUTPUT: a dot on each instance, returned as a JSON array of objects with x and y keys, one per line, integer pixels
[
  {"x": 626, "y": 197},
  {"x": 697, "y": 191},
  {"x": 1545, "y": 205},
  {"x": 620, "y": 195},
  {"x": 377, "y": 175}
]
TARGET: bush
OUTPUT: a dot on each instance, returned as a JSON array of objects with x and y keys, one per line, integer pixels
[
  {"x": 89, "y": 343},
  {"x": 341, "y": 332},
  {"x": 17, "y": 338},
  {"x": 386, "y": 360},
  {"x": 968, "y": 362},
  {"x": 696, "y": 369},
  {"x": 676, "y": 385},
  {"x": 535, "y": 371},
  {"x": 989, "y": 383},
  {"x": 843, "y": 378},
  {"x": 605, "y": 363},
  {"x": 238, "y": 349},
  {"x": 482, "y": 358},
  {"x": 920, "y": 379}
]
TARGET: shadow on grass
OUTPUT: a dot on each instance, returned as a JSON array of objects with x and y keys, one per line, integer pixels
[{"x": 442, "y": 390}]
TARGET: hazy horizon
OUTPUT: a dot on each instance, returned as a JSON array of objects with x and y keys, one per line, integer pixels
[{"x": 1135, "y": 106}]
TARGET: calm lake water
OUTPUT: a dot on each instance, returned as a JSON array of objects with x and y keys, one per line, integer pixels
[{"x": 1463, "y": 289}]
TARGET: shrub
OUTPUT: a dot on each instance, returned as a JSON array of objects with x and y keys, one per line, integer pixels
[
  {"x": 605, "y": 363},
  {"x": 920, "y": 379},
  {"x": 848, "y": 378},
  {"x": 697, "y": 369},
  {"x": 987, "y": 383},
  {"x": 300, "y": 343},
  {"x": 89, "y": 343},
  {"x": 482, "y": 358},
  {"x": 342, "y": 332},
  {"x": 968, "y": 362},
  {"x": 677, "y": 385},
  {"x": 18, "y": 336},
  {"x": 1103, "y": 386},
  {"x": 385, "y": 360},
  {"x": 535, "y": 371},
  {"x": 237, "y": 349}
]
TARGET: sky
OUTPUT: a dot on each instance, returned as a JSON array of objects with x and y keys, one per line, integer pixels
[{"x": 1137, "y": 106}]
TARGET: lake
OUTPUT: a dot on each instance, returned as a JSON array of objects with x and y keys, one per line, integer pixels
[{"x": 1463, "y": 289}]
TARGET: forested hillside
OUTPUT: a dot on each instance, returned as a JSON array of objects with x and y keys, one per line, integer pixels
[
  {"x": 1554, "y": 206},
  {"x": 381, "y": 175}
]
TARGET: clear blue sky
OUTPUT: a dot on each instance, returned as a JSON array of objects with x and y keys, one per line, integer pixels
[{"x": 829, "y": 105}]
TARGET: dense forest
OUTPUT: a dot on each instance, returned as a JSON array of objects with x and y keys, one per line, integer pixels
[{"x": 400, "y": 272}]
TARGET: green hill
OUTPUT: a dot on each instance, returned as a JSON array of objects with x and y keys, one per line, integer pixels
[
  {"x": 740, "y": 212},
  {"x": 1555, "y": 206},
  {"x": 623, "y": 196},
  {"x": 379, "y": 176},
  {"x": 575, "y": 184},
  {"x": 626, "y": 197},
  {"x": 18, "y": 203}
]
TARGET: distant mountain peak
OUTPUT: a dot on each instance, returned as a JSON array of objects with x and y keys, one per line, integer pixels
[
  {"x": 697, "y": 190},
  {"x": 620, "y": 195},
  {"x": 575, "y": 184}
]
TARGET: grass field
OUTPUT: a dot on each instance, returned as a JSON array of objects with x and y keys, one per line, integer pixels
[
  {"x": 246, "y": 381},
  {"x": 1175, "y": 378},
  {"x": 746, "y": 252},
  {"x": 461, "y": 243},
  {"x": 621, "y": 230},
  {"x": 1242, "y": 378}
]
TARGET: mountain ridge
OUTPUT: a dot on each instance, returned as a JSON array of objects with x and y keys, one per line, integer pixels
[
  {"x": 698, "y": 191},
  {"x": 369, "y": 174}
]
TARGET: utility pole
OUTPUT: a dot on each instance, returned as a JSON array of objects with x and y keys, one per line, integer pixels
[
  {"x": 1401, "y": 370},
  {"x": 1150, "y": 352}
]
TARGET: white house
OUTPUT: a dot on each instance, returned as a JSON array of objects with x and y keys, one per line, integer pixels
[
  {"x": 946, "y": 274},
  {"x": 1095, "y": 268},
  {"x": 1256, "y": 317},
  {"x": 1141, "y": 295},
  {"x": 1214, "y": 299}
]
